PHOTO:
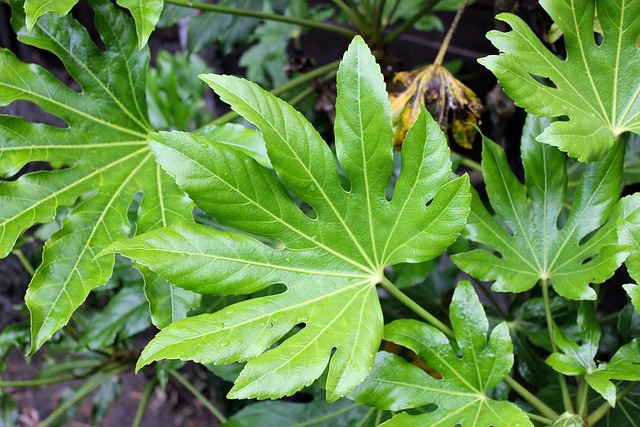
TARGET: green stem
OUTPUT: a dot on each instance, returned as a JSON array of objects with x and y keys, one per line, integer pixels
[
  {"x": 71, "y": 365},
  {"x": 411, "y": 304},
  {"x": 582, "y": 397},
  {"x": 534, "y": 417},
  {"x": 24, "y": 261},
  {"x": 603, "y": 409},
  {"x": 292, "y": 84},
  {"x": 566, "y": 396},
  {"x": 353, "y": 15},
  {"x": 377, "y": 21},
  {"x": 264, "y": 15},
  {"x": 452, "y": 29},
  {"x": 83, "y": 391},
  {"x": 182, "y": 380},
  {"x": 38, "y": 381},
  {"x": 144, "y": 402},
  {"x": 471, "y": 164},
  {"x": 397, "y": 32},
  {"x": 531, "y": 398}
]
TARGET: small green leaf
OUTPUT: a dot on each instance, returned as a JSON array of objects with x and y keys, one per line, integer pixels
[
  {"x": 34, "y": 9},
  {"x": 342, "y": 413},
  {"x": 461, "y": 386},
  {"x": 577, "y": 359},
  {"x": 634, "y": 293},
  {"x": 596, "y": 86},
  {"x": 624, "y": 365},
  {"x": 527, "y": 244},
  {"x": 330, "y": 261},
  {"x": 146, "y": 13},
  {"x": 125, "y": 315}
]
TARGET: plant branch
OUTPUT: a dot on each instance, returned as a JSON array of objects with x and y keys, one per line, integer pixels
[
  {"x": 144, "y": 402},
  {"x": 452, "y": 29},
  {"x": 83, "y": 391},
  {"x": 353, "y": 14},
  {"x": 264, "y": 15},
  {"x": 292, "y": 84},
  {"x": 471, "y": 164},
  {"x": 397, "y": 32},
  {"x": 603, "y": 409},
  {"x": 531, "y": 398},
  {"x": 38, "y": 381},
  {"x": 378, "y": 11},
  {"x": 24, "y": 261},
  {"x": 534, "y": 417},
  {"x": 566, "y": 396},
  {"x": 182, "y": 380},
  {"x": 582, "y": 397},
  {"x": 411, "y": 304}
]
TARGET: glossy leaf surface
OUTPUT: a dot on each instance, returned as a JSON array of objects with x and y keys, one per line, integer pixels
[
  {"x": 126, "y": 314},
  {"x": 329, "y": 261},
  {"x": 577, "y": 359},
  {"x": 524, "y": 243},
  {"x": 461, "y": 383},
  {"x": 104, "y": 145},
  {"x": 596, "y": 86},
  {"x": 317, "y": 413},
  {"x": 624, "y": 365},
  {"x": 146, "y": 13}
]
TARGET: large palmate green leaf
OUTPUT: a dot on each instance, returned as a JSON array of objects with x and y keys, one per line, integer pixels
[
  {"x": 317, "y": 413},
  {"x": 629, "y": 233},
  {"x": 526, "y": 244},
  {"x": 330, "y": 259},
  {"x": 597, "y": 86},
  {"x": 104, "y": 146},
  {"x": 145, "y": 12},
  {"x": 460, "y": 388}
]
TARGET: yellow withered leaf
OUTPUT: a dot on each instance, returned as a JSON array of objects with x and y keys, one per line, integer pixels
[{"x": 443, "y": 95}]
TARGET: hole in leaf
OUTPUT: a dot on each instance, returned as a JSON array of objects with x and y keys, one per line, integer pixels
[
  {"x": 598, "y": 38},
  {"x": 33, "y": 113},
  {"x": 410, "y": 357},
  {"x": 544, "y": 81}
]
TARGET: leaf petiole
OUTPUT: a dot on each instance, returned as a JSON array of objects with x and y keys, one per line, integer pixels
[
  {"x": 24, "y": 261},
  {"x": 264, "y": 15},
  {"x": 566, "y": 396},
  {"x": 144, "y": 402},
  {"x": 411, "y": 304},
  {"x": 182, "y": 380}
]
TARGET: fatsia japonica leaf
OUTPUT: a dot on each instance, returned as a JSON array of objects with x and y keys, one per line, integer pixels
[
  {"x": 330, "y": 260},
  {"x": 572, "y": 358},
  {"x": 318, "y": 413},
  {"x": 597, "y": 86},
  {"x": 624, "y": 366},
  {"x": 145, "y": 12},
  {"x": 629, "y": 233},
  {"x": 104, "y": 145},
  {"x": 526, "y": 244},
  {"x": 459, "y": 389}
]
